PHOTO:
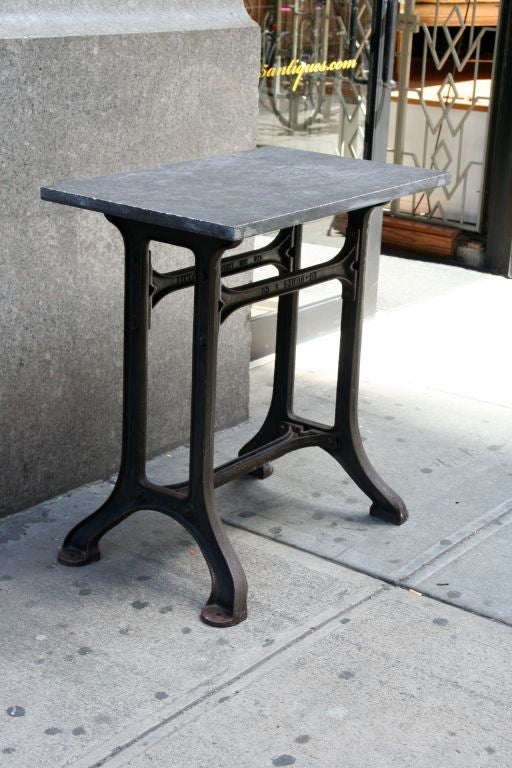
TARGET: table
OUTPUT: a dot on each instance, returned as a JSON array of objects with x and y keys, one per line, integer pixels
[{"x": 209, "y": 206}]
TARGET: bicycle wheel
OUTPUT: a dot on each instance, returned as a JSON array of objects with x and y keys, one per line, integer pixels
[{"x": 297, "y": 108}]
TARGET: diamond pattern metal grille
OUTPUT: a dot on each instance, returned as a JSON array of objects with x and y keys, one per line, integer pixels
[{"x": 443, "y": 109}]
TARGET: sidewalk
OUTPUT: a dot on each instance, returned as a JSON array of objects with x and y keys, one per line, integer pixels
[{"x": 342, "y": 661}]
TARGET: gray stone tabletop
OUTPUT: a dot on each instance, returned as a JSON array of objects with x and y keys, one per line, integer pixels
[{"x": 245, "y": 193}]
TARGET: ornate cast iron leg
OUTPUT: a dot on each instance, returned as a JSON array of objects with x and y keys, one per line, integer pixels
[
  {"x": 80, "y": 546},
  {"x": 227, "y": 604},
  {"x": 281, "y": 404},
  {"x": 350, "y": 452}
]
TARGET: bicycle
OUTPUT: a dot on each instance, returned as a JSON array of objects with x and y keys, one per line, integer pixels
[{"x": 295, "y": 102}]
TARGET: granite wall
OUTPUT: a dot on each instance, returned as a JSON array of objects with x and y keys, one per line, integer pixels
[{"x": 92, "y": 87}]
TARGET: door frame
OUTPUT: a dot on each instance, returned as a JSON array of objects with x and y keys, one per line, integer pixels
[{"x": 497, "y": 203}]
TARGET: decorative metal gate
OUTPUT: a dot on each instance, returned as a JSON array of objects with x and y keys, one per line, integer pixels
[{"x": 446, "y": 55}]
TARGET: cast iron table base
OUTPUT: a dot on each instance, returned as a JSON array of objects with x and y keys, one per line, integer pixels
[{"x": 193, "y": 504}]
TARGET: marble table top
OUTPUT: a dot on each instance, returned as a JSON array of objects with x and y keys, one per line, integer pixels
[{"x": 246, "y": 193}]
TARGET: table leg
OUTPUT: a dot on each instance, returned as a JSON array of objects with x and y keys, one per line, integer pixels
[
  {"x": 227, "y": 604},
  {"x": 80, "y": 546},
  {"x": 281, "y": 405},
  {"x": 349, "y": 451},
  {"x": 343, "y": 441}
]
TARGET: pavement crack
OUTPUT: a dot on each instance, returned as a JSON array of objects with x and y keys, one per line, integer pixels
[
  {"x": 464, "y": 543},
  {"x": 465, "y": 608},
  {"x": 433, "y": 559},
  {"x": 324, "y": 624}
]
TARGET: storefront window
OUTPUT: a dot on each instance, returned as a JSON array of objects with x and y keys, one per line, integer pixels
[
  {"x": 312, "y": 96},
  {"x": 314, "y": 66}
]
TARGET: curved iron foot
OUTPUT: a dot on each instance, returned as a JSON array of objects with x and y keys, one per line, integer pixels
[
  {"x": 227, "y": 603},
  {"x": 69, "y": 555},
  {"x": 397, "y": 514},
  {"x": 219, "y": 616},
  {"x": 80, "y": 547},
  {"x": 387, "y": 505}
]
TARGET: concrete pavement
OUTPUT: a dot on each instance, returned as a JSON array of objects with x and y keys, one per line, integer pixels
[{"x": 366, "y": 645}]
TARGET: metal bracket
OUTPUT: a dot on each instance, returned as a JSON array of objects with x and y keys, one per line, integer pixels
[
  {"x": 408, "y": 22},
  {"x": 342, "y": 267},
  {"x": 276, "y": 253}
]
